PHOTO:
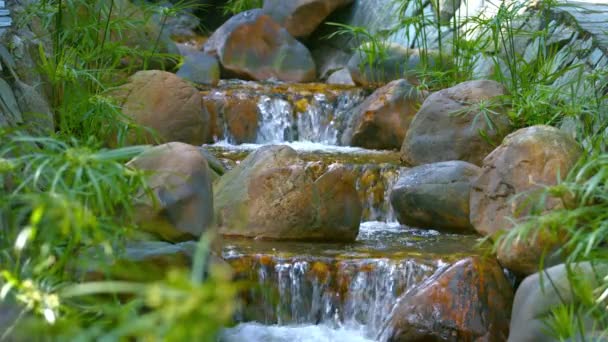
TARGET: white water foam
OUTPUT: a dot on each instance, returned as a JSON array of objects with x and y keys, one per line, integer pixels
[
  {"x": 256, "y": 332},
  {"x": 300, "y": 146}
]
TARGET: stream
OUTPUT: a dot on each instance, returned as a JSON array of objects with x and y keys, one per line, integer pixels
[{"x": 303, "y": 291}]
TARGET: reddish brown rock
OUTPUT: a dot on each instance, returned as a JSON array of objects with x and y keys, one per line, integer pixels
[
  {"x": 271, "y": 194},
  {"x": 180, "y": 180},
  {"x": 382, "y": 120},
  {"x": 252, "y": 45},
  {"x": 450, "y": 123},
  {"x": 512, "y": 174},
  {"x": 302, "y": 17},
  {"x": 235, "y": 112},
  {"x": 167, "y": 104},
  {"x": 469, "y": 301}
]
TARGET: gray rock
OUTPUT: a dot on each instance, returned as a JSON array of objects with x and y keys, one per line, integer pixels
[
  {"x": 449, "y": 124},
  {"x": 396, "y": 62},
  {"x": 435, "y": 196},
  {"x": 341, "y": 77},
  {"x": 539, "y": 293},
  {"x": 10, "y": 114},
  {"x": 200, "y": 68}
]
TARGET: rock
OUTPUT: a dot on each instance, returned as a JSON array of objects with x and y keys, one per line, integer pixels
[
  {"x": 167, "y": 104},
  {"x": 137, "y": 261},
  {"x": 526, "y": 161},
  {"x": 446, "y": 9},
  {"x": 398, "y": 62},
  {"x": 539, "y": 294},
  {"x": 200, "y": 69},
  {"x": 271, "y": 194},
  {"x": 10, "y": 114},
  {"x": 381, "y": 121},
  {"x": 469, "y": 301},
  {"x": 448, "y": 125},
  {"x": 252, "y": 45},
  {"x": 234, "y": 113},
  {"x": 301, "y": 17},
  {"x": 435, "y": 196},
  {"x": 180, "y": 180},
  {"x": 342, "y": 77}
]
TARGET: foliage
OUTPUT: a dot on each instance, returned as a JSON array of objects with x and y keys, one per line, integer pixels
[
  {"x": 238, "y": 6},
  {"x": 95, "y": 46},
  {"x": 66, "y": 195}
]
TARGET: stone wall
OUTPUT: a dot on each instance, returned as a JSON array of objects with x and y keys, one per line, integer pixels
[{"x": 23, "y": 102}]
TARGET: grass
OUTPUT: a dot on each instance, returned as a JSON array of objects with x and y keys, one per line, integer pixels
[
  {"x": 237, "y": 6},
  {"x": 65, "y": 195}
]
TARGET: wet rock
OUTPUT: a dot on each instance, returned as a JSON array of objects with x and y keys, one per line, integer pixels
[
  {"x": 137, "y": 261},
  {"x": 539, "y": 294},
  {"x": 271, "y": 194},
  {"x": 341, "y": 76},
  {"x": 435, "y": 196},
  {"x": 169, "y": 105},
  {"x": 526, "y": 161},
  {"x": 301, "y": 17},
  {"x": 469, "y": 301},
  {"x": 180, "y": 180},
  {"x": 398, "y": 62},
  {"x": 200, "y": 69},
  {"x": 382, "y": 120},
  {"x": 234, "y": 113},
  {"x": 252, "y": 45},
  {"x": 452, "y": 124}
]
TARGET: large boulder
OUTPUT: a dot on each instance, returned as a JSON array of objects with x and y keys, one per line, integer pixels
[
  {"x": 468, "y": 301},
  {"x": 526, "y": 161},
  {"x": 272, "y": 194},
  {"x": 458, "y": 123},
  {"x": 252, "y": 45},
  {"x": 435, "y": 196},
  {"x": 180, "y": 180},
  {"x": 385, "y": 62},
  {"x": 381, "y": 121},
  {"x": 541, "y": 293},
  {"x": 167, "y": 104},
  {"x": 301, "y": 17}
]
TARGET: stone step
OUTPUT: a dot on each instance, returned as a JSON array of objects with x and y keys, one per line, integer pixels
[{"x": 301, "y": 283}]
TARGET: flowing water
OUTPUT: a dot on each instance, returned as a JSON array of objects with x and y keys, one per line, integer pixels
[
  {"x": 334, "y": 292},
  {"x": 326, "y": 291}
]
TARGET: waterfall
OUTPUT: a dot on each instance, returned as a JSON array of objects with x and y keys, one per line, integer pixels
[
  {"x": 276, "y": 120},
  {"x": 357, "y": 293},
  {"x": 287, "y": 113}
]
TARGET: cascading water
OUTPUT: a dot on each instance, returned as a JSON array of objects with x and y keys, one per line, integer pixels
[
  {"x": 310, "y": 113},
  {"x": 325, "y": 291},
  {"x": 276, "y": 120},
  {"x": 336, "y": 290}
]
